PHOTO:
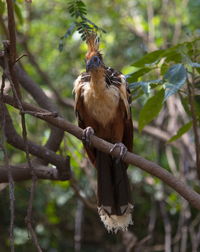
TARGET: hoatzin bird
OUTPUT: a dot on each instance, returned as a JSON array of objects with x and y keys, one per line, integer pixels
[{"x": 102, "y": 106}]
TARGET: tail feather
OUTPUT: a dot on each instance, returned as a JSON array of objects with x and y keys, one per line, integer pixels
[{"x": 113, "y": 192}]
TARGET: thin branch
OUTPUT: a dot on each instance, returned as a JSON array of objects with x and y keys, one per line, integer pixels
[
  {"x": 80, "y": 196},
  {"x": 184, "y": 228},
  {"x": 190, "y": 195},
  {"x": 12, "y": 32},
  {"x": 10, "y": 53},
  {"x": 167, "y": 226},
  {"x": 79, "y": 216}
]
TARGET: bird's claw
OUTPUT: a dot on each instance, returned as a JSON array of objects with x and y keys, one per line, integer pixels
[
  {"x": 123, "y": 150},
  {"x": 86, "y": 137}
]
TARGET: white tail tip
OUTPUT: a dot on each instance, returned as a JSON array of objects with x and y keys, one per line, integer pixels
[{"x": 115, "y": 223}]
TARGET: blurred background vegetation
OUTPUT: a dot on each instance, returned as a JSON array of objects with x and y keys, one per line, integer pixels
[{"x": 163, "y": 221}]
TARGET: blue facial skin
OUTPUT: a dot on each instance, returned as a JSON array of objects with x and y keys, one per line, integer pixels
[{"x": 93, "y": 63}]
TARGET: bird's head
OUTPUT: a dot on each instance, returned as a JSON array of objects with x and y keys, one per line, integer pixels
[{"x": 94, "y": 60}]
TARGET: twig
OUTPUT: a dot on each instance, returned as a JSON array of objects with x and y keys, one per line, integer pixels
[
  {"x": 23, "y": 55},
  {"x": 54, "y": 114},
  {"x": 28, "y": 218},
  {"x": 11, "y": 30},
  {"x": 190, "y": 195},
  {"x": 152, "y": 218},
  {"x": 80, "y": 196},
  {"x": 11, "y": 49},
  {"x": 10, "y": 53},
  {"x": 193, "y": 234},
  {"x": 78, "y": 226},
  {"x": 167, "y": 226}
]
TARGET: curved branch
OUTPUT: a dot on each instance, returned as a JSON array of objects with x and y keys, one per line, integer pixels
[{"x": 154, "y": 169}]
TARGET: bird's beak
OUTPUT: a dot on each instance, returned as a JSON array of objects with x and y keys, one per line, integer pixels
[{"x": 93, "y": 63}]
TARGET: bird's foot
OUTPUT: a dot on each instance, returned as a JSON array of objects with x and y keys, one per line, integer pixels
[
  {"x": 86, "y": 137},
  {"x": 123, "y": 150}
]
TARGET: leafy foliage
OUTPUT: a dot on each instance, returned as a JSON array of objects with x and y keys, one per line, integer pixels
[
  {"x": 82, "y": 24},
  {"x": 181, "y": 131},
  {"x": 151, "y": 109},
  {"x": 174, "y": 75},
  {"x": 175, "y": 78},
  {"x": 149, "y": 59}
]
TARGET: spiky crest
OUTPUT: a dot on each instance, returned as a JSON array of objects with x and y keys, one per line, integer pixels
[{"x": 92, "y": 41}]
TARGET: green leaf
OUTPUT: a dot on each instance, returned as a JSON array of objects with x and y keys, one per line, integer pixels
[
  {"x": 175, "y": 78},
  {"x": 2, "y": 7},
  {"x": 136, "y": 94},
  {"x": 19, "y": 14},
  {"x": 145, "y": 85},
  {"x": 173, "y": 56},
  {"x": 151, "y": 109},
  {"x": 135, "y": 75},
  {"x": 181, "y": 131},
  {"x": 150, "y": 58},
  {"x": 194, "y": 64}
]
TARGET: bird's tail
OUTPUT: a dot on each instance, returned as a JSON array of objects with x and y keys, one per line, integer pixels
[{"x": 113, "y": 193}]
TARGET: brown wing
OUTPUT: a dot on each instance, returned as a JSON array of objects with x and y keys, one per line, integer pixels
[
  {"x": 128, "y": 124},
  {"x": 128, "y": 135},
  {"x": 116, "y": 78},
  {"x": 80, "y": 111}
]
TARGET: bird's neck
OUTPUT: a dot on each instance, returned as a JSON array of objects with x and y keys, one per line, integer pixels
[{"x": 98, "y": 83}]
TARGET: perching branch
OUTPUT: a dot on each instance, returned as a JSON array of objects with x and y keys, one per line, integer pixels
[{"x": 154, "y": 169}]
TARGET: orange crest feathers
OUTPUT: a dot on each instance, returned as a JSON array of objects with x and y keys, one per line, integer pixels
[{"x": 92, "y": 42}]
